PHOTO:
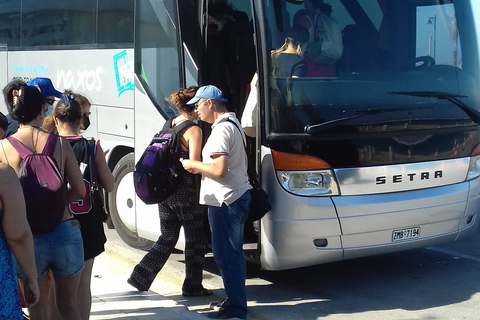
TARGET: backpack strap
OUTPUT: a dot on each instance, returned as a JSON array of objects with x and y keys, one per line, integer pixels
[
  {"x": 3, "y": 148},
  {"x": 176, "y": 130},
  {"x": 239, "y": 130},
  {"x": 185, "y": 124},
  {"x": 22, "y": 149},
  {"x": 50, "y": 145},
  {"x": 168, "y": 124},
  {"x": 91, "y": 146},
  {"x": 252, "y": 175}
]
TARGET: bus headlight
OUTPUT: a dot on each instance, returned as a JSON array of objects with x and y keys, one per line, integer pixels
[
  {"x": 473, "y": 168},
  {"x": 308, "y": 183}
]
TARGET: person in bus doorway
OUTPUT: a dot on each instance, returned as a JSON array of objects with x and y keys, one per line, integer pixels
[
  {"x": 225, "y": 189},
  {"x": 180, "y": 209},
  {"x": 68, "y": 120}
]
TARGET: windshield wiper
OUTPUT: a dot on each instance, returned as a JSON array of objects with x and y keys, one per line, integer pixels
[
  {"x": 452, "y": 97},
  {"x": 315, "y": 128}
]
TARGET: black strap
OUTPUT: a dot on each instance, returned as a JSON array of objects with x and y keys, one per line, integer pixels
[
  {"x": 168, "y": 124},
  {"x": 183, "y": 125},
  {"x": 315, "y": 26},
  {"x": 241, "y": 135},
  {"x": 180, "y": 127},
  {"x": 91, "y": 164},
  {"x": 252, "y": 174}
]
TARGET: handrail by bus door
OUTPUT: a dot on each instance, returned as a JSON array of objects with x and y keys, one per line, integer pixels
[{"x": 3, "y": 64}]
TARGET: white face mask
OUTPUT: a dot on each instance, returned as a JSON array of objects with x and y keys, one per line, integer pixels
[{"x": 49, "y": 110}]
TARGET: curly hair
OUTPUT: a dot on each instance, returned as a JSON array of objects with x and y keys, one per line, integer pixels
[{"x": 181, "y": 97}]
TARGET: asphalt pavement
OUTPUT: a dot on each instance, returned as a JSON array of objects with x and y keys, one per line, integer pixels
[
  {"x": 440, "y": 282},
  {"x": 114, "y": 298}
]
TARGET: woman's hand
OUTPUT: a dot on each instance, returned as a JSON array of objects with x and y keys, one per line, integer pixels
[{"x": 31, "y": 292}]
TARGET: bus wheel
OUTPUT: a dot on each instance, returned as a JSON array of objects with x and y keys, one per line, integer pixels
[{"x": 122, "y": 204}]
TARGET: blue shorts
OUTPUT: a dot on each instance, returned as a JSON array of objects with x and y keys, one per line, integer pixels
[{"x": 60, "y": 251}]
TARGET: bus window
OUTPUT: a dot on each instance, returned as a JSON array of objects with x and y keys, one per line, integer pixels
[
  {"x": 418, "y": 48},
  {"x": 157, "y": 50},
  {"x": 10, "y": 22},
  {"x": 57, "y": 22},
  {"x": 115, "y": 21}
]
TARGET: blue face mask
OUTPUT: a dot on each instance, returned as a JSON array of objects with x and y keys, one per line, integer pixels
[{"x": 49, "y": 110}]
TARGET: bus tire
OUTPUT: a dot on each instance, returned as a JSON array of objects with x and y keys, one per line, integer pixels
[{"x": 122, "y": 204}]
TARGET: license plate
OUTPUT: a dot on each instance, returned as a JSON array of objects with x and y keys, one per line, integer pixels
[{"x": 405, "y": 234}]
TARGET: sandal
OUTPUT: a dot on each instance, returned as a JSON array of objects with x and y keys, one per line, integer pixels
[{"x": 202, "y": 293}]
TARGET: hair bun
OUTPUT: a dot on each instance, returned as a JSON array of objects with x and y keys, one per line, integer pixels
[{"x": 177, "y": 97}]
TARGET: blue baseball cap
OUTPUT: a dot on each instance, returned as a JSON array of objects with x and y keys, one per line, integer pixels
[
  {"x": 46, "y": 87},
  {"x": 208, "y": 92}
]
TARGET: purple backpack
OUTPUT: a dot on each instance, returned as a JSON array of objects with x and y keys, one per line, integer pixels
[
  {"x": 43, "y": 186},
  {"x": 157, "y": 173}
]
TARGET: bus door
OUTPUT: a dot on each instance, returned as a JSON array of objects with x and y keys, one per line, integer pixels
[
  {"x": 158, "y": 73},
  {"x": 230, "y": 61}
]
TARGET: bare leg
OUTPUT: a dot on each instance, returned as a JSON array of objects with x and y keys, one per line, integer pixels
[
  {"x": 66, "y": 297},
  {"x": 54, "y": 315},
  {"x": 84, "y": 294},
  {"x": 40, "y": 311}
]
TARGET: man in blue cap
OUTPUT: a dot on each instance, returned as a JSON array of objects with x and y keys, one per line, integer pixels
[
  {"x": 49, "y": 93},
  {"x": 225, "y": 189}
]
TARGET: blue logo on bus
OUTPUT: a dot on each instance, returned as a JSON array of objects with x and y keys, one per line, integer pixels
[{"x": 123, "y": 72}]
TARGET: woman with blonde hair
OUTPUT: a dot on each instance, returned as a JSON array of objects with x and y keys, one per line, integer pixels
[
  {"x": 288, "y": 60},
  {"x": 180, "y": 209}
]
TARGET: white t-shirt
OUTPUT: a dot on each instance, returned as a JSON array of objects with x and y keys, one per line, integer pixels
[{"x": 227, "y": 140}]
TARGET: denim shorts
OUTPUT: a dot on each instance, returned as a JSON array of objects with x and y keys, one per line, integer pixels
[{"x": 60, "y": 251}]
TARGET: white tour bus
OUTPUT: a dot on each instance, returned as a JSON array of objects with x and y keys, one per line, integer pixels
[{"x": 373, "y": 152}]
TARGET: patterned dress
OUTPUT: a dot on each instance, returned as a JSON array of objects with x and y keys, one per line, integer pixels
[
  {"x": 180, "y": 209},
  {"x": 10, "y": 308}
]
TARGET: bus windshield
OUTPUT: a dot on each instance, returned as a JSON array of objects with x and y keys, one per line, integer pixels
[{"x": 370, "y": 66}]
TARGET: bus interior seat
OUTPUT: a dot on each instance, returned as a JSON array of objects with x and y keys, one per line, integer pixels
[{"x": 360, "y": 50}]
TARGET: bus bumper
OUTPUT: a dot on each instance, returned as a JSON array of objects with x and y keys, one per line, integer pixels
[{"x": 303, "y": 231}]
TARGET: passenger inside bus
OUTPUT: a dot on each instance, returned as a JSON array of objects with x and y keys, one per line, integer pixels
[
  {"x": 325, "y": 41},
  {"x": 288, "y": 61}
]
